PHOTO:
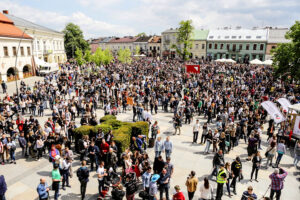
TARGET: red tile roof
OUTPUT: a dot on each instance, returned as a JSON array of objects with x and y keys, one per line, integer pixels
[
  {"x": 155, "y": 39},
  {"x": 123, "y": 40},
  {"x": 8, "y": 29}
]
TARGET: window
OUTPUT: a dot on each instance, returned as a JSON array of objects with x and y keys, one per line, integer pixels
[
  {"x": 261, "y": 47},
  {"x": 254, "y": 46},
  {"x": 28, "y": 51},
  {"x": 44, "y": 45},
  {"x": 248, "y": 37},
  {"x": 38, "y": 45},
  {"x": 221, "y": 46},
  {"x": 15, "y": 51},
  {"x": 226, "y": 37},
  {"x": 219, "y": 37},
  {"x": 233, "y": 47},
  {"x": 5, "y": 49},
  {"x": 247, "y": 47},
  {"x": 233, "y": 37},
  {"x": 216, "y": 46},
  {"x": 240, "y": 37},
  {"x": 158, "y": 48},
  {"x": 211, "y": 37},
  {"x": 273, "y": 47},
  {"x": 22, "y": 51},
  {"x": 258, "y": 37},
  {"x": 150, "y": 48},
  {"x": 196, "y": 46},
  {"x": 240, "y": 47},
  {"x": 209, "y": 46},
  {"x": 228, "y": 46},
  {"x": 203, "y": 46}
]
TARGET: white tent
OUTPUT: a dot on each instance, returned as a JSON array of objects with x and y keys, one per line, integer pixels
[
  {"x": 268, "y": 62},
  {"x": 230, "y": 60},
  {"x": 295, "y": 107},
  {"x": 256, "y": 62},
  {"x": 39, "y": 62},
  {"x": 221, "y": 60},
  {"x": 218, "y": 60}
]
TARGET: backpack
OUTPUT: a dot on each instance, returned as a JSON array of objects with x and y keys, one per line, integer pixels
[
  {"x": 82, "y": 173},
  {"x": 131, "y": 187}
]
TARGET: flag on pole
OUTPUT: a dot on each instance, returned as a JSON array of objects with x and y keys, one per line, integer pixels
[{"x": 193, "y": 69}]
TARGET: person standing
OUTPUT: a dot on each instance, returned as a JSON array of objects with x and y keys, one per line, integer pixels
[
  {"x": 297, "y": 153},
  {"x": 83, "y": 177},
  {"x": 146, "y": 178},
  {"x": 23, "y": 144},
  {"x": 158, "y": 147},
  {"x": 4, "y": 87},
  {"x": 277, "y": 179},
  {"x": 65, "y": 172},
  {"x": 196, "y": 129},
  {"x": 93, "y": 155},
  {"x": 217, "y": 161},
  {"x": 229, "y": 176},
  {"x": 3, "y": 187},
  {"x": 270, "y": 153},
  {"x": 154, "y": 130},
  {"x": 101, "y": 173},
  {"x": 191, "y": 184},
  {"x": 43, "y": 190},
  {"x": 177, "y": 124},
  {"x": 221, "y": 179},
  {"x": 56, "y": 178},
  {"x": 153, "y": 187},
  {"x": 204, "y": 133},
  {"x": 178, "y": 195},
  {"x": 206, "y": 190},
  {"x": 164, "y": 184},
  {"x": 256, "y": 160},
  {"x": 249, "y": 194},
  {"x": 236, "y": 168},
  {"x": 168, "y": 145},
  {"x": 280, "y": 151}
]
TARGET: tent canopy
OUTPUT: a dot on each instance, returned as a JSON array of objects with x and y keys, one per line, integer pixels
[
  {"x": 295, "y": 107},
  {"x": 256, "y": 62},
  {"x": 268, "y": 62},
  {"x": 230, "y": 60}
]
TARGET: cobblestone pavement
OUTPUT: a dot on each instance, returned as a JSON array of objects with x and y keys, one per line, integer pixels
[{"x": 23, "y": 178}]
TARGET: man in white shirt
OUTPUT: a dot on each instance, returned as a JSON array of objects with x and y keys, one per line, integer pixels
[
  {"x": 196, "y": 129},
  {"x": 65, "y": 172},
  {"x": 101, "y": 173}
]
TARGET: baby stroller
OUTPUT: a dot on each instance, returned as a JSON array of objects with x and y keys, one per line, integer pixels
[{"x": 112, "y": 180}]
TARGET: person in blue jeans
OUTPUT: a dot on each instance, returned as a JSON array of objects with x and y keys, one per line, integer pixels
[
  {"x": 3, "y": 187},
  {"x": 280, "y": 150},
  {"x": 11, "y": 145}
]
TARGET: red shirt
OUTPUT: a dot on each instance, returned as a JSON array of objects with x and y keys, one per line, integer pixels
[
  {"x": 104, "y": 147},
  {"x": 178, "y": 196}
]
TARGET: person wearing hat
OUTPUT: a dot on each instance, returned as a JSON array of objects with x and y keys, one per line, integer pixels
[
  {"x": 178, "y": 195},
  {"x": 153, "y": 187},
  {"x": 221, "y": 179},
  {"x": 56, "y": 178}
]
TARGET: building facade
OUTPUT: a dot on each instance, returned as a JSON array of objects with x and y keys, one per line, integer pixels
[
  {"x": 241, "y": 45},
  {"x": 169, "y": 38},
  {"x": 94, "y": 44},
  {"x": 103, "y": 44},
  {"x": 275, "y": 37},
  {"x": 198, "y": 39},
  {"x": 48, "y": 44},
  {"x": 121, "y": 43},
  {"x": 15, "y": 61},
  {"x": 154, "y": 46},
  {"x": 142, "y": 44}
]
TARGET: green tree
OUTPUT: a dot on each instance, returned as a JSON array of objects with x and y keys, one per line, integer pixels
[
  {"x": 137, "y": 50},
  {"x": 87, "y": 56},
  {"x": 124, "y": 56},
  {"x": 143, "y": 34},
  {"x": 286, "y": 57},
  {"x": 79, "y": 57},
  {"x": 184, "y": 43},
  {"x": 102, "y": 57},
  {"x": 108, "y": 57},
  {"x": 73, "y": 39}
]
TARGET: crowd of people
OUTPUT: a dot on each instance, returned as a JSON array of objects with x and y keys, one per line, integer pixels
[{"x": 228, "y": 96}]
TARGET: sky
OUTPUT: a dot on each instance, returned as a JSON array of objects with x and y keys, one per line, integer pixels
[{"x": 98, "y": 18}]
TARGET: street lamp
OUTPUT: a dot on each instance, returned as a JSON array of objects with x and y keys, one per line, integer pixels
[{"x": 17, "y": 61}]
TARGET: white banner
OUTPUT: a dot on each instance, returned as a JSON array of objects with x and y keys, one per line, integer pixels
[
  {"x": 275, "y": 113},
  {"x": 296, "y": 130},
  {"x": 285, "y": 103}
]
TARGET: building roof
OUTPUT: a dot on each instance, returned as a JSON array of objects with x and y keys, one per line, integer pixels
[
  {"x": 277, "y": 35},
  {"x": 126, "y": 39},
  {"x": 155, "y": 39},
  {"x": 30, "y": 25},
  {"x": 171, "y": 30},
  {"x": 143, "y": 39},
  {"x": 107, "y": 39},
  {"x": 237, "y": 35},
  {"x": 199, "y": 34},
  {"x": 96, "y": 40},
  {"x": 8, "y": 29}
]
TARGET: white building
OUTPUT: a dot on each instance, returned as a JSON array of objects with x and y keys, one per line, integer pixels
[
  {"x": 15, "y": 51},
  {"x": 48, "y": 44}
]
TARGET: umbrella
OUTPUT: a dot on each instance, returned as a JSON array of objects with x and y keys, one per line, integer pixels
[
  {"x": 256, "y": 62},
  {"x": 268, "y": 62},
  {"x": 230, "y": 60}
]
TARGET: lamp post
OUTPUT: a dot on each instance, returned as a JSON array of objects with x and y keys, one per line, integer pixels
[{"x": 17, "y": 91}]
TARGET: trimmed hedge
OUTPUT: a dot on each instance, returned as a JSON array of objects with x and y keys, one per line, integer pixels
[
  {"x": 140, "y": 128},
  {"x": 84, "y": 130},
  {"x": 107, "y": 117},
  {"x": 122, "y": 137},
  {"x": 114, "y": 123},
  {"x": 105, "y": 128}
]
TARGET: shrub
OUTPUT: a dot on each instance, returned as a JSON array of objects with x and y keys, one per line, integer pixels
[
  {"x": 114, "y": 123},
  {"x": 105, "y": 128},
  {"x": 140, "y": 128},
  {"x": 122, "y": 137},
  {"x": 84, "y": 130},
  {"x": 107, "y": 117}
]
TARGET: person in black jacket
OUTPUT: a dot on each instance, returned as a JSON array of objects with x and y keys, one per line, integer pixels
[
  {"x": 117, "y": 193},
  {"x": 256, "y": 160},
  {"x": 93, "y": 151},
  {"x": 83, "y": 176},
  {"x": 236, "y": 168},
  {"x": 217, "y": 161}
]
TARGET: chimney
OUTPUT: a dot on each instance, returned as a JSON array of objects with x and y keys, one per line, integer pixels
[{"x": 5, "y": 12}]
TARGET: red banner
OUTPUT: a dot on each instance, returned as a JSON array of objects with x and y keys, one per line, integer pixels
[{"x": 193, "y": 69}]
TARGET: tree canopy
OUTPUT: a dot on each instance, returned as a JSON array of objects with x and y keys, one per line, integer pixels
[
  {"x": 124, "y": 56},
  {"x": 286, "y": 57},
  {"x": 79, "y": 57},
  {"x": 184, "y": 43},
  {"x": 73, "y": 39},
  {"x": 102, "y": 57},
  {"x": 143, "y": 34}
]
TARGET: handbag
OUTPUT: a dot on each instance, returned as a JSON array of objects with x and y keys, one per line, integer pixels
[
  {"x": 267, "y": 152},
  {"x": 227, "y": 143}
]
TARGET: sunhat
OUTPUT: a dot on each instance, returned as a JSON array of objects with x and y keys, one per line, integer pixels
[{"x": 155, "y": 177}]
